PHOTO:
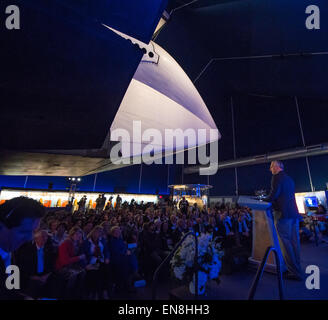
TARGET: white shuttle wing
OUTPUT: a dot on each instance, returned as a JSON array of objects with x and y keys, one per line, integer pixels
[{"x": 161, "y": 96}]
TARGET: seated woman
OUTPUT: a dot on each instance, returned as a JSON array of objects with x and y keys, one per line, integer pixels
[
  {"x": 52, "y": 226},
  {"x": 124, "y": 263},
  {"x": 59, "y": 236},
  {"x": 70, "y": 265},
  {"x": 97, "y": 260}
]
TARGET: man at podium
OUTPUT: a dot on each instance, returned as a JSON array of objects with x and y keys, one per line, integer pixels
[{"x": 286, "y": 218}]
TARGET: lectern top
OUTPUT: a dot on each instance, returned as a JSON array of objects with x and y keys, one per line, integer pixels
[{"x": 253, "y": 203}]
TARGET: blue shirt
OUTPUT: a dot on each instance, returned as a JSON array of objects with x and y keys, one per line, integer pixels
[
  {"x": 40, "y": 260},
  {"x": 227, "y": 225},
  {"x": 242, "y": 227}
]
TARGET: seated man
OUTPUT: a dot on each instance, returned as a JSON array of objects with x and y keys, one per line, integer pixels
[
  {"x": 36, "y": 262},
  {"x": 243, "y": 232},
  {"x": 152, "y": 243},
  {"x": 229, "y": 225}
]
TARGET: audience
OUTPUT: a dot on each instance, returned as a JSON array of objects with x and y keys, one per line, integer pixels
[
  {"x": 87, "y": 254},
  {"x": 90, "y": 253}
]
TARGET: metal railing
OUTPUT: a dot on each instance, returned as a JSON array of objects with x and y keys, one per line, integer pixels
[
  {"x": 259, "y": 274},
  {"x": 168, "y": 258}
]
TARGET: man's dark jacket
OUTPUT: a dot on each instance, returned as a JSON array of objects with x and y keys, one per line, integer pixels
[
  {"x": 282, "y": 196},
  {"x": 26, "y": 258}
]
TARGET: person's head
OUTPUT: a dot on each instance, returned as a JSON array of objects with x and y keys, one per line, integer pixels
[
  {"x": 40, "y": 238},
  {"x": 181, "y": 224},
  {"x": 164, "y": 227},
  {"x": 105, "y": 224},
  {"x": 276, "y": 167},
  {"x": 95, "y": 233},
  {"x": 148, "y": 227},
  {"x": 53, "y": 225},
  {"x": 322, "y": 209},
  {"x": 113, "y": 221},
  {"x": 212, "y": 221},
  {"x": 190, "y": 223},
  {"x": 18, "y": 218},
  {"x": 76, "y": 234},
  {"x": 173, "y": 219},
  {"x": 158, "y": 223},
  {"x": 79, "y": 223},
  {"x": 132, "y": 237},
  {"x": 61, "y": 228},
  {"x": 88, "y": 227},
  {"x": 115, "y": 232}
]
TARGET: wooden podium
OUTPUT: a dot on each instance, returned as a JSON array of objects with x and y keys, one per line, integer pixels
[{"x": 264, "y": 233}]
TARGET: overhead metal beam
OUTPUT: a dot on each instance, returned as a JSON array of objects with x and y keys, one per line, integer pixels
[{"x": 302, "y": 152}]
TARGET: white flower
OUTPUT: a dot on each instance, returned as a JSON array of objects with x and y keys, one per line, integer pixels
[
  {"x": 184, "y": 257},
  {"x": 179, "y": 272},
  {"x": 202, "y": 279}
]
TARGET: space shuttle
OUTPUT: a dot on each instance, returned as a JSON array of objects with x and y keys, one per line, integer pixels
[{"x": 159, "y": 95}]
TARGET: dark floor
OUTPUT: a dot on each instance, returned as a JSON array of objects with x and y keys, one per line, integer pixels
[{"x": 236, "y": 286}]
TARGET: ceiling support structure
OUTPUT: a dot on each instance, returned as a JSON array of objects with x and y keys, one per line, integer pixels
[
  {"x": 303, "y": 140},
  {"x": 307, "y": 151},
  {"x": 234, "y": 145}
]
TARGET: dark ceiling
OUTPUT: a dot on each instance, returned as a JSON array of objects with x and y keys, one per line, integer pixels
[
  {"x": 64, "y": 74},
  {"x": 263, "y": 56},
  {"x": 230, "y": 29}
]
